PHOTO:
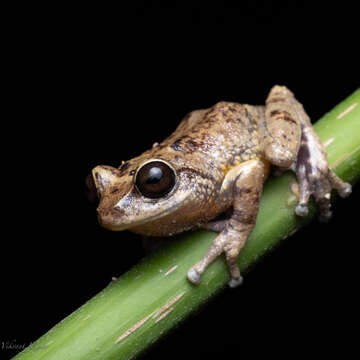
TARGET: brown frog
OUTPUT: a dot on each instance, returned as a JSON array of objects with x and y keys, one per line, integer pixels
[{"x": 217, "y": 160}]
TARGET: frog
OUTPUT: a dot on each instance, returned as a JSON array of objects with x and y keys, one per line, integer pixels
[{"x": 209, "y": 173}]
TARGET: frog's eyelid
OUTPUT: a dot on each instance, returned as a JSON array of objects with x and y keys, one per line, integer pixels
[{"x": 152, "y": 160}]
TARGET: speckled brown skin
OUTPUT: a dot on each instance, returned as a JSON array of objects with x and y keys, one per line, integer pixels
[{"x": 221, "y": 158}]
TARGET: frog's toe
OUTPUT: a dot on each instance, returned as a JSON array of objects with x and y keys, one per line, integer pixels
[
  {"x": 301, "y": 210},
  {"x": 322, "y": 193},
  {"x": 324, "y": 208},
  {"x": 233, "y": 283},
  {"x": 345, "y": 190},
  {"x": 193, "y": 276},
  {"x": 320, "y": 187},
  {"x": 319, "y": 184}
]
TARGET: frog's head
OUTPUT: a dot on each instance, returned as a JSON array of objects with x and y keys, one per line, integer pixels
[{"x": 138, "y": 195}]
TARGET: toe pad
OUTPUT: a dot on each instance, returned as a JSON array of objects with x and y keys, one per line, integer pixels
[
  {"x": 345, "y": 191},
  {"x": 194, "y": 276},
  {"x": 301, "y": 210},
  {"x": 233, "y": 283}
]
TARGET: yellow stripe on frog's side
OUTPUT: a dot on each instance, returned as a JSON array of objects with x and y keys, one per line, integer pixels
[{"x": 227, "y": 167}]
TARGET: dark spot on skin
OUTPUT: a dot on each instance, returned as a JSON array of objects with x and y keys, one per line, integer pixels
[
  {"x": 278, "y": 112},
  {"x": 117, "y": 212},
  {"x": 246, "y": 190},
  {"x": 208, "y": 122},
  {"x": 224, "y": 113},
  {"x": 303, "y": 156},
  {"x": 124, "y": 166},
  {"x": 191, "y": 143},
  {"x": 185, "y": 143},
  {"x": 255, "y": 200},
  {"x": 283, "y": 115},
  {"x": 114, "y": 173},
  {"x": 249, "y": 116},
  {"x": 176, "y": 145},
  {"x": 239, "y": 120}
]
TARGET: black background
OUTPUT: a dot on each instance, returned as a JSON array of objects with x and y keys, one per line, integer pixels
[{"x": 96, "y": 86}]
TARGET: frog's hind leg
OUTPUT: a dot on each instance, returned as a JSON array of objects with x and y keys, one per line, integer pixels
[
  {"x": 293, "y": 143},
  {"x": 245, "y": 184},
  {"x": 282, "y": 128}
]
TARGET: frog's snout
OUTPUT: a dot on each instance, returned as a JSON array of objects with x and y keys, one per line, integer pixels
[{"x": 110, "y": 219}]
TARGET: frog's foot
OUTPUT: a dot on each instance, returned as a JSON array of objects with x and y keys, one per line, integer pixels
[
  {"x": 229, "y": 242},
  {"x": 194, "y": 275},
  {"x": 316, "y": 178},
  {"x": 216, "y": 248}
]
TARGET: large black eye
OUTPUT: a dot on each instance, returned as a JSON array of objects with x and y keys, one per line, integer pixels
[{"x": 155, "y": 179}]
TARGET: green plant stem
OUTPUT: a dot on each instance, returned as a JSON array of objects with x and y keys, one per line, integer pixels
[{"x": 123, "y": 319}]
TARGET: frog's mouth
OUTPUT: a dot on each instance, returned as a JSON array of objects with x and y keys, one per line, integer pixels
[
  {"x": 118, "y": 219},
  {"x": 112, "y": 224}
]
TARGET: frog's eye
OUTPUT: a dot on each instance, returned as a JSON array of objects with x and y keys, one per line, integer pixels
[{"x": 155, "y": 179}]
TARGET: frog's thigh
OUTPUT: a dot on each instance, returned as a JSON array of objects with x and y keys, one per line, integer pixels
[
  {"x": 283, "y": 130},
  {"x": 245, "y": 183},
  {"x": 312, "y": 169}
]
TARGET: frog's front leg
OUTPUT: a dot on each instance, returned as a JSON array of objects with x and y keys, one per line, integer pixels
[
  {"x": 290, "y": 141},
  {"x": 244, "y": 184}
]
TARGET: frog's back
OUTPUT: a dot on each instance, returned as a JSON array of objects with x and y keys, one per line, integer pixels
[{"x": 221, "y": 137}]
